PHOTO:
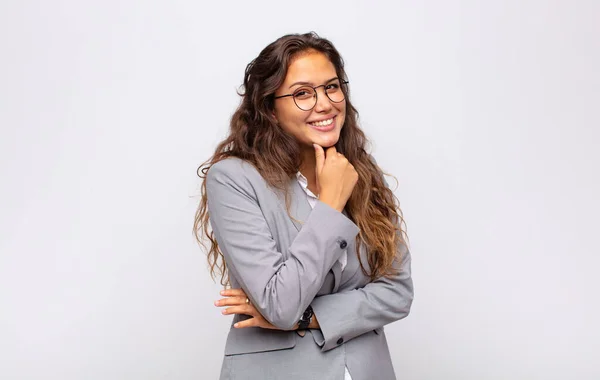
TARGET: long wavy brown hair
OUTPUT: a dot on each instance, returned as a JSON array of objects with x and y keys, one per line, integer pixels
[{"x": 255, "y": 137}]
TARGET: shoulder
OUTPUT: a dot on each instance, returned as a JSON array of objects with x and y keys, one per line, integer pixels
[
  {"x": 380, "y": 172},
  {"x": 375, "y": 165},
  {"x": 233, "y": 166},
  {"x": 233, "y": 172},
  {"x": 373, "y": 160}
]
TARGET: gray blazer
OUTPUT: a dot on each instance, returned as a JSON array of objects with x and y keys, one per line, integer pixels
[{"x": 285, "y": 265}]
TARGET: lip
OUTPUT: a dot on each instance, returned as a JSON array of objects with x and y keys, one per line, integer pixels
[{"x": 325, "y": 128}]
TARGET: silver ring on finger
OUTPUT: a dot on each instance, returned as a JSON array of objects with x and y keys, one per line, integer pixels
[{"x": 247, "y": 301}]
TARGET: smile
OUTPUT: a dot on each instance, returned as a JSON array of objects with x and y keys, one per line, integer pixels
[{"x": 323, "y": 125}]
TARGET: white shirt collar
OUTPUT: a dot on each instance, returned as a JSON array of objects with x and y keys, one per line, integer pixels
[{"x": 304, "y": 184}]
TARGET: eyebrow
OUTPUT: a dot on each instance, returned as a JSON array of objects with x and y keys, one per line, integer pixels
[{"x": 310, "y": 84}]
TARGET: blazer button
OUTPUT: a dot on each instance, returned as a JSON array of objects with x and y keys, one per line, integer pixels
[
  {"x": 340, "y": 341},
  {"x": 343, "y": 244}
]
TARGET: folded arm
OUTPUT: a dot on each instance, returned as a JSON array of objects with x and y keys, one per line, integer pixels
[
  {"x": 280, "y": 287},
  {"x": 345, "y": 315}
]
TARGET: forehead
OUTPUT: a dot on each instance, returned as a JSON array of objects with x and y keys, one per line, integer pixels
[{"x": 311, "y": 67}]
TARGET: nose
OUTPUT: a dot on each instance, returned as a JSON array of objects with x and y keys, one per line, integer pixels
[{"x": 323, "y": 102}]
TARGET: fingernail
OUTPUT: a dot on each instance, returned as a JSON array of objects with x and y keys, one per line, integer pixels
[
  {"x": 236, "y": 325},
  {"x": 224, "y": 312},
  {"x": 216, "y": 303},
  {"x": 222, "y": 292}
]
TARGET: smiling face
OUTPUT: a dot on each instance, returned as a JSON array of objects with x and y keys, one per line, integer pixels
[{"x": 322, "y": 124}]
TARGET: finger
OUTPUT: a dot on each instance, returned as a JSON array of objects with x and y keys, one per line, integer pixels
[
  {"x": 320, "y": 158},
  {"x": 233, "y": 292},
  {"x": 246, "y": 323},
  {"x": 231, "y": 301},
  {"x": 331, "y": 151},
  {"x": 240, "y": 309}
]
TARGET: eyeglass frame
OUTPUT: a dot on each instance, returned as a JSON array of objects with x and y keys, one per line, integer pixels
[{"x": 342, "y": 83}]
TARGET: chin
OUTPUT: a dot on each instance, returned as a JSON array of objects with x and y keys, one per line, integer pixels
[{"x": 326, "y": 142}]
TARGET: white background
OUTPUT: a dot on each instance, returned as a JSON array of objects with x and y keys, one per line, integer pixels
[{"x": 487, "y": 113}]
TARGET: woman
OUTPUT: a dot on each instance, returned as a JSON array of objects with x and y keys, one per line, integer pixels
[{"x": 304, "y": 228}]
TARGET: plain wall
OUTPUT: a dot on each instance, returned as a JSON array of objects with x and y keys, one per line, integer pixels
[{"x": 486, "y": 112}]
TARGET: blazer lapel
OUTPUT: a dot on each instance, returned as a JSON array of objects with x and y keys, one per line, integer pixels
[{"x": 299, "y": 207}]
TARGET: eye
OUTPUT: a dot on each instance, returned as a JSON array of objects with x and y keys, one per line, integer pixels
[
  {"x": 303, "y": 93},
  {"x": 333, "y": 86}
]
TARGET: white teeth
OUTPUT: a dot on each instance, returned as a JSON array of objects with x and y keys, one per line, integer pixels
[{"x": 322, "y": 123}]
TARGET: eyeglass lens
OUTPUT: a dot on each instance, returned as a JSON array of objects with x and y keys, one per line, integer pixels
[{"x": 306, "y": 97}]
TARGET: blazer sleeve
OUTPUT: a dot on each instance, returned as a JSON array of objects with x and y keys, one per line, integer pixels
[
  {"x": 348, "y": 314},
  {"x": 280, "y": 286},
  {"x": 345, "y": 315}
]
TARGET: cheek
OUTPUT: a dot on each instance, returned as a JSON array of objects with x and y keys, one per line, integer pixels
[
  {"x": 291, "y": 121},
  {"x": 289, "y": 115},
  {"x": 343, "y": 115}
]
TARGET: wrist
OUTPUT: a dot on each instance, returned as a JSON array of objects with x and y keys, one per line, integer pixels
[
  {"x": 314, "y": 323},
  {"x": 306, "y": 318},
  {"x": 331, "y": 203}
]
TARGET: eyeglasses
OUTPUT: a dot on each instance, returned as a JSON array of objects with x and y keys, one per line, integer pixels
[{"x": 306, "y": 97}]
